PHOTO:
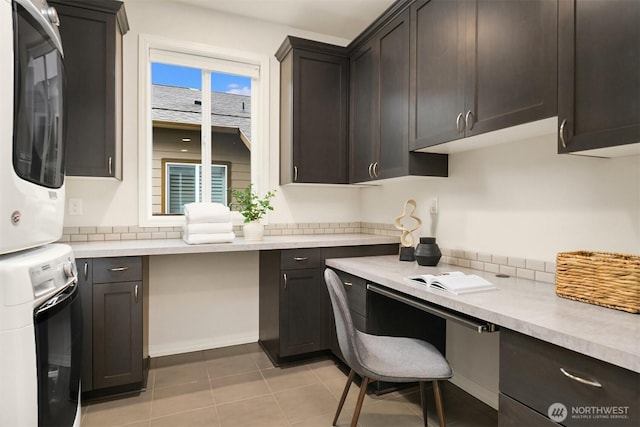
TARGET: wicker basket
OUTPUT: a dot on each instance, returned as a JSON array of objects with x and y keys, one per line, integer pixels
[{"x": 602, "y": 278}]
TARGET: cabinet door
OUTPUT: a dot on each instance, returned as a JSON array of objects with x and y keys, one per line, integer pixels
[
  {"x": 320, "y": 118},
  {"x": 300, "y": 311},
  {"x": 93, "y": 68},
  {"x": 393, "y": 46},
  {"x": 511, "y": 63},
  {"x": 598, "y": 68},
  {"x": 117, "y": 334},
  {"x": 363, "y": 138},
  {"x": 437, "y": 72}
]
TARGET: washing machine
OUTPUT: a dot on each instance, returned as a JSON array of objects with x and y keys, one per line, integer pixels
[{"x": 40, "y": 338}]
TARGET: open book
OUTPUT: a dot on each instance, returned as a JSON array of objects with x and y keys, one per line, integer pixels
[{"x": 454, "y": 282}]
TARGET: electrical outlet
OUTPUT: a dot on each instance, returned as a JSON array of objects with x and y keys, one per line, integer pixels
[
  {"x": 433, "y": 206},
  {"x": 75, "y": 206}
]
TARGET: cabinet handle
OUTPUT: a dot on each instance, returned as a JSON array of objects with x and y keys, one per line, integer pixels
[
  {"x": 348, "y": 283},
  {"x": 375, "y": 170},
  {"x": 301, "y": 258},
  {"x": 370, "y": 168},
  {"x": 295, "y": 173},
  {"x": 469, "y": 119},
  {"x": 135, "y": 292},
  {"x": 86, "y": 271},
  {"x": 459, "y": 125},
  {"x": 110, "y": 165},
  {"x": 592, "y": 383},
  {"x": 561, "y": 133},
  {"x": 284, "y": 276},
  {"x": 119, "y": 269}
]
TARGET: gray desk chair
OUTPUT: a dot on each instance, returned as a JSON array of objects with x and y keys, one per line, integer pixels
[{"x": 383, "y": 358}]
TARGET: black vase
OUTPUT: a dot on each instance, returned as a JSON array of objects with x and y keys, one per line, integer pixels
[{"x": 427, "y": 252}]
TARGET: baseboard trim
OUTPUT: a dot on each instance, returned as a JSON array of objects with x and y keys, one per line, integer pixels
[{"x": 187, "y": 347}]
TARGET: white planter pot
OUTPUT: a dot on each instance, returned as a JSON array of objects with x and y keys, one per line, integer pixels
[{"x": 253, "y": 231}]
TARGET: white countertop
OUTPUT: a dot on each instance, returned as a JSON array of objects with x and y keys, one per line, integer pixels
[
  {"x": 531, "y": 308},
  {"x": 178, "y": 246}
]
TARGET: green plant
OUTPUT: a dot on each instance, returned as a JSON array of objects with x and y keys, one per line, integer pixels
[{"x": 250, "y": 205}]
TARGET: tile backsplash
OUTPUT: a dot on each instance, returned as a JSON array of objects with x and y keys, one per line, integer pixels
[{"x": 541, "y": 271}]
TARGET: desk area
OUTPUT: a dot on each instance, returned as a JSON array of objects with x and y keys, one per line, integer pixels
[{"x": 538, "y": 329}]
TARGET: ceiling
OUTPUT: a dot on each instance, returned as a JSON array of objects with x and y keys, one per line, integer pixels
[{"x": 339, "y": 18}]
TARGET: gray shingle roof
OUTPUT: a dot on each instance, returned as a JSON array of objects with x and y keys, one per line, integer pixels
[{"x": 177, "y": 104}]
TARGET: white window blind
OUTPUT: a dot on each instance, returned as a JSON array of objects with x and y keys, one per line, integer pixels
[{"x": 181, "y": 186}]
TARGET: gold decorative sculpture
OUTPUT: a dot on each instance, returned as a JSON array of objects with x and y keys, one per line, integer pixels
[{"x": 407, "y": 240}]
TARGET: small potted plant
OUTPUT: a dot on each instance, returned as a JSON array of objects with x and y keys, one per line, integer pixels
[{"x": 253, "y": 208}]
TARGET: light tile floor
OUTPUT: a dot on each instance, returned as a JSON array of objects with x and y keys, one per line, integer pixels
[{"x": 238, "y": 386}]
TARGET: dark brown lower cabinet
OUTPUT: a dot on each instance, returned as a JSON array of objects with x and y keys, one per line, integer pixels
[
  {"x": 295, "y": 312},
  {"x": 114, "y": 299},
  {"x": 542, "y": 380},
  {"x": 117, "y": 334}
]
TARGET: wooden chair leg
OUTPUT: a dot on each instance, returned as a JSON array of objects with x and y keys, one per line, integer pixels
[
  {"x": 423, "y": 401},
  {"x": 439, "y": 405},
  {"x": 363, "y": 391},
  {"x": 345, "y": 392}
]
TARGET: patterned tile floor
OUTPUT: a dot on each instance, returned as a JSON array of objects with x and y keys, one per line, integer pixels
[{"x": 238, "y": 386}]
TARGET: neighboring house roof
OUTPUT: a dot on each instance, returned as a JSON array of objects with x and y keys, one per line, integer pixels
[{"x": 178, "y": 105}]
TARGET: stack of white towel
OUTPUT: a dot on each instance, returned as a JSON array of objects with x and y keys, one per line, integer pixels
[{"x": 207, "y": 223}]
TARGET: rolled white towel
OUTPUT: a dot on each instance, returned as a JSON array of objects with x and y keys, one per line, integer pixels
[
  {"x": 197, "y": 213},
  {"x": 208, "y": 228},
  {"x": 198, "y": 239}
]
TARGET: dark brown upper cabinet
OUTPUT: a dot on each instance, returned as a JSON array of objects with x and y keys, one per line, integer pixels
[
  {"x": 479, "y": 66},
  {"x": 598, "y": 71},
  {"x": 313, "y": 112},
  {"x": 91, "y": 33},
  {"x": 379, "y": 109}
]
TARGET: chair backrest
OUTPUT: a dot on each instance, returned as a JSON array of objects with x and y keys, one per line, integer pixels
[{"x": 345, "y": 329}]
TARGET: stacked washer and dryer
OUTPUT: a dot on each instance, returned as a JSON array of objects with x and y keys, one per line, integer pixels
[{"x": 40, "y": 314}]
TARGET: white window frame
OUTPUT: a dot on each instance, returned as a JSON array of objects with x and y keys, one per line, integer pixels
[{"x": 223, "y": 59}]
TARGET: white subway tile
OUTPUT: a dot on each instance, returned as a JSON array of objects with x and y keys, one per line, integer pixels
[
  {"x": 492, "y": 268},
  {"x": 545, "y": 277},
  {"x": 113, "y": 236},
  {"x": 121, "y": 229},
  {"x": 95, "y": 237},
  {"x": 516, "y": 262},
  {"x": 464, "y": 262},
  {"x": 170, "y": 235},
  {"x": 484, "y": 257},
  {"x": 505, "y": 269},
  {"x": 104, "y": 230},
  {"x": 87, "y": 230},
  {"x": 550, "y": 266},
  {"x": 525, "y": 273},
  {"x": 458, "y": 253},
  {"x": 470, "y": 255},
  {"x": 499, "y": 259},
  {"x": 71, "y": 230},
  {"x": 143, "y": 236},
  {"x": 477, "y": 265},
  {"x": 533, "y": 264},
  {"x": 79, "y": 238}
]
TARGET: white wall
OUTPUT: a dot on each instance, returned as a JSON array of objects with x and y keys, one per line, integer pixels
[
  {"x": 522, "y": 199},
  {"x": 202, "y": 301}
]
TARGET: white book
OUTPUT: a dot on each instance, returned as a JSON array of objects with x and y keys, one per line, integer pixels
[{"x": 455, "y": 282}]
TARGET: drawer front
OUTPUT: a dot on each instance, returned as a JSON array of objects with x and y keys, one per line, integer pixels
[
  {"x": 515, "y": 414},
  {"x": 118, "y": 269},
  {"x": 356, "y": 290},
  {"x": 531, "y": 372},
  {"x": 295, "y": 259}
]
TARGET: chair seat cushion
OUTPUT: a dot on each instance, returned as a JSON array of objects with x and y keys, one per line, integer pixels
[{"x": 399, "y": 359}]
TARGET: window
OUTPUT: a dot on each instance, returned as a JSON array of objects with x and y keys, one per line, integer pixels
[
  {"x": 200, "y": 106},
  {"x": 180, "y": 185}
]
